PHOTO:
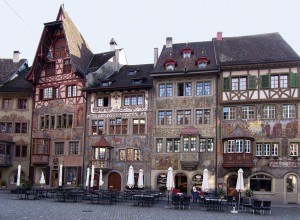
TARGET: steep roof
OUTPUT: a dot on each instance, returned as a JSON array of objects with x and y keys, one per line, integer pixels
[
  {"x": 18, "y": 84},
  {"x": 125, "y": 77},
  {"x": 101, "y": 143},
  {"x": 8, "y": 68},
  {"x": 200, "y": 49},
  {"x": 254, "y": 49},
  {"x": 98, "y": 60}
]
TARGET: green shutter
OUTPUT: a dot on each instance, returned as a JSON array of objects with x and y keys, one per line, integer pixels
[
  {"x": 294, "y": 80},
  {"x": 226, "y": 83},
  {"x": 264, "y": 81},
  {"x": 252, "y": 82}
]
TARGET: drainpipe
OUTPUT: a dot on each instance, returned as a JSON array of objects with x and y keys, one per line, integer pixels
[
  {"x": 84, "y": 138},
  {"x": 217, "y": 136},
  {"x": 31, "y": 127}
]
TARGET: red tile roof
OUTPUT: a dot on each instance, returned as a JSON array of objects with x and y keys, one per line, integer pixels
[
  {"x": 190, "y": 130},
  {"x": 101, "y": 143}
]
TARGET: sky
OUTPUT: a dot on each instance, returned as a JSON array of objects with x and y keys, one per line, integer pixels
[{"x": 139, "y": 26}]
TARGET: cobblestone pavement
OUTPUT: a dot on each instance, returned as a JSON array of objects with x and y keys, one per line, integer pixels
[{"x": 13, "y": 208}]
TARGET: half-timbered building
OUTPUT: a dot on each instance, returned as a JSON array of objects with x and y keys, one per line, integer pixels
[{"x": 259, "y": 112}]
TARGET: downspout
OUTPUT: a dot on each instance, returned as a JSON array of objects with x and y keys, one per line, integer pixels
[
  {"x": 31, "y": 127},
  {"x": 84, "y": 138},
  {"x": 217, "y": 136}
]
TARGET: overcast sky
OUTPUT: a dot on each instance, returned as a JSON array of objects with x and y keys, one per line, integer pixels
[{"x": 138, "y": 26}]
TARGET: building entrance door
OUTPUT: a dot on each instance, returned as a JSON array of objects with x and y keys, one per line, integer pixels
[
  {"x": 291, "y": 185},
  {"x": 231, "y": 184},
  {"x": 114, "y": 181},
  {"x": 181, "y": 182},
  {"x": 54, "y": 177}
]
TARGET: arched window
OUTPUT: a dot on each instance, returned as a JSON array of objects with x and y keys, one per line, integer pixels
[
  {"x": 261, "y": 183},
  {"x": 60, "y": 48},
  {"x": 291, "y": 183},
  {"x": 197, "y": 180},
  {"x": 161, "y": 180}
]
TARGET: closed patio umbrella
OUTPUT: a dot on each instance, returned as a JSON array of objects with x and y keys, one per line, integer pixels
[
  {"x": 205, "y": 182},
  {"x": 130, "y": 180},
  {"x": 42, "y": 180},
  {"x": 19, "y": 175},
  {"x": 170, "y": 181},
  {"x": 141, "y": 179},
  {"x": 92, "y": 176},
  {"x": 87, "y": 177},
  {"x": 240, "y": 185},
  {"x": 100, "y": 180},
  {"x": 60, "y": 175}
]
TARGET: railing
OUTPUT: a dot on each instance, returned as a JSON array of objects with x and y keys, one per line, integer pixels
[
  {"x": 5, "y": 160},
  {"x": 105, "y": 164},
  {"x": 237, "y": 160},
  {"x": 39, "y": 158}
]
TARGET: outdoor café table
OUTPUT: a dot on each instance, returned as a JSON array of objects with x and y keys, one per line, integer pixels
[
  {"x": 215, "y": 204},
  {"x": 143, "y": 200}
]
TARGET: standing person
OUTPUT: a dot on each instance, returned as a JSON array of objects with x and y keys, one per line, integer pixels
[{"x": 195, "y": 194}]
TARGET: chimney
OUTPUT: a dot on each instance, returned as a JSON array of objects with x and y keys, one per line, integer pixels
[
  {"x": 169, "y": 42},
  {"x": 219, "y": 36},
  {"x": 16, "y": 57},
  {"x": 155, "y": 56},
  {"x": 113, "y": 45},
  {"x": 116, "y": 60}
]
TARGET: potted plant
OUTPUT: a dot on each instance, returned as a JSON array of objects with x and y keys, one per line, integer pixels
[
  {"x": 221, "y": 193},
  {"x": 249, "y": 193},
  {"x": 3, "y": 184},
  {"x": 27, "y": 184}
]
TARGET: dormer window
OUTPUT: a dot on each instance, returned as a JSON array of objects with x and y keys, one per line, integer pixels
[
  {"x": 170, "y": 64},
  {"x": 186, "y": 52},
  {"x": 106, "y": 83},
  {"x": 131, "y": 72},
  {"x": 137, "y": 81},
  {"x": 202, "y": 62}
]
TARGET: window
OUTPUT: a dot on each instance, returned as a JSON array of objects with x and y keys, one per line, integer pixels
[
  {"x": 50, "y": 69},
  {"x": 279, "y": 81},
  {"x": 7, "y": 104},
  {"x": 170, "y": 67},
  {"x": 137, "y": 81},
  {"x": 268, "y": 112},
  {"x": 99, "y": 153},
  {"x": 122, "y": 155},
  {"x": 291, "y": 184},
  {"x": 73, "y": 148},
  {"x": 40, "y": 146},
  {"x": 59, "y": 148},
  {"x": 22, "y": 104},
  {"x": 184, "y": 89},
  {"x": 239, "y": 83},
  {"x": 248, "y": 112},
  {"x": 229, "y": 113},
  {"x": 158, "y": 145},
  {"x": 61, "y": 121},
  {"x": 21, "y": 151},
  {"x": 138, "y": 126},
  {"x": 71, "y": 91},
  {"x": 5, "y": 127},
  {"x": 118, "y": 126},
  {"x": 133, "y": 100},
  {"x": 21, "y": 127},
  {"x": 129, "y": 154},
  {"x": 173, "y": 145},
  {"x": 183, "y": 117},
  {"x": 189, "y": 144},
  {"x": 165, "y": 117},
  {"x": 203, "y": 88},
  {"x": 294, "y": 149},
  {"x": 239, "y": 146},
  {"x": 247, "y": 146},
  {"x": 103, "y": 102},
  {"x": 230, "y": 146},
  {"x": 67, "y": 66},
  {"x": 60, "y": 48},
  {"x": 166, "y": 90},
  {"x": 267, "y": 149},
  {"x": 203, "y": 116},
  {"x": 97, "y": 127},
  {"x": 186, "y": 54},
  {"x": 137, "y": 154},
  {"x": 47, "y": 93},
  {"x": 259, "y": 149},
  {"x": 71, "y": 175},
  {"x": 261, "y": 183},
  {"x": 206, "y": 144},
  {"x": 274, "y": 150},
  {"x": 202, "y": 64},
  {"x": 288, "y": 111}
]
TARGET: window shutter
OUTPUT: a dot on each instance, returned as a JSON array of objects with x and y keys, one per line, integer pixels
[
  {"x": 294, "y": 80},
  {"x": 264, "y": 81},
  {"x": 226, "y": 83},
  {"x": 47, "y": 175},
  {"x": 41, "y": 94},
  {"x": 252, "y": 82},
  {"x": 78, "y": 175}
]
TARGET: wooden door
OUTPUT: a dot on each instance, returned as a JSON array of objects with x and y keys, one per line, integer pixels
[
  {"x": 114, "y": 181},
  {"x": 231, "y": 184},
  {"x": 54, "y": 178}
]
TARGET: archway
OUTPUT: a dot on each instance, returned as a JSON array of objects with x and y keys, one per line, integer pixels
[
  {"x": 114, "y": 181},
  {"x": 181, "y": 182},
  {"x": 291, "y": 186},
  {"x": 231, "y": 185}
]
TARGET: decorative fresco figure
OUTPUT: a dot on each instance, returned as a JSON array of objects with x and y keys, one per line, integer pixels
[
  {"x": 291, "y": 129},
  {"x": 268, "y": 130},
  {"x": 277, "y": 130}
]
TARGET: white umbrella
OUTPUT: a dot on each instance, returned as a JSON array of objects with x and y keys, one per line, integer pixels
[
  {"x": 240, "y": 184},
  {"x": 141, "y": 179},
  {"x": 100, "y": 180},
  {"x": 205, "y": 182},
  {"x": 92, "y": 176},
  {"x": 60, "y": 175},
  {"x": 19, "y": 175},
  {"x": 87, "y": 177},
  {"x": 42, "y": 180},
  {"x": 170, "y": 181},
  {"x": 130, "y": 180}
]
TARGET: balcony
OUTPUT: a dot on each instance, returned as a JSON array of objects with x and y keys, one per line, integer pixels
[
  {"x": 39, "y": 159},
  {"x": 239, "y": 160},
  {"x": 5, "y": 161},
  {"x": 103, "y": 164},
  {"x": 189, "y": 161}
]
